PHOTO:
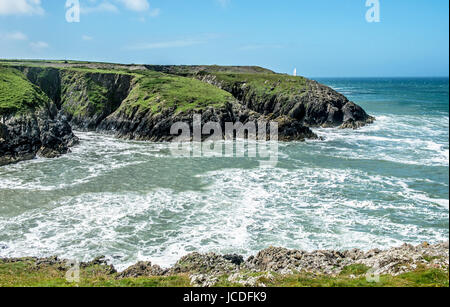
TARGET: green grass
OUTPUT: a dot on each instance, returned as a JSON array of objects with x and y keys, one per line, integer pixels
[
  {"x": 355, "y": 269},
  {"x": 87, "y": 97},
  {"x": 47, "y": 63},
  {"x": 155, "y": 91},
  {"x": 17, "y": 94},
  {"x": 192, "y": 70},
  {"x": 152, "y": 90},
  {"x": 238, "y": 69},
  {"x": 420, "y": 278},
  {"x": 158, "y": 92},
  {"x": 74, "y": 101},
  {"x": 266, "y": 84},
  {"x": 26, "y": 274},
  {"x": 80, "y": 66},
  {"x": 97, "y": 94},
  {"x": 431, "y": 258},
  {"x": 122, "y": 71}
]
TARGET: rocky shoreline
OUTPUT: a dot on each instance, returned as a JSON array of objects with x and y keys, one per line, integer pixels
[
  {"x": 206, "y": 270},
  {"x": 44, "y": 133},
  {"x": 143, "y": 103}
]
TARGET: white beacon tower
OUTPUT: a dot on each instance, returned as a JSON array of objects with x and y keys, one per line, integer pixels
[{"x": 295, "y": 72}]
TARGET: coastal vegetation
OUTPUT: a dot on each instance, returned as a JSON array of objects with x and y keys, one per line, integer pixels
[
  {"x": 424, "y": 265},
  {"x": 18, "y": 95},
  {"x": 84, "y": 86},
  {"x": 142, "y": 102},
  {"x": 157, "y": 92},
  {"x": 26, "y": 273},
  {"x": 41, "y": 101}
]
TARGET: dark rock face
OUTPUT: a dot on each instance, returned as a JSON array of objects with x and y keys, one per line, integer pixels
[
  {"x": 91, "y": 101},
  {"x": 157, "y": 128},
  {"x": 44, "y": 133},
  {"x": 354, "y": 116},
  {"x": 293, "y": 130},
  {"x": 316, "y": 106}
]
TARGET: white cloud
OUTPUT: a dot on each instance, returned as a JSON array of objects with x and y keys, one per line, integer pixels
[
  {"x": 102, "y": 7},
  {"x": 152, "y": 14},
  {"x": 136, "y": 5},
  {"x": 16, "y": 35},
  {"x": 21, "y": 7},
  {"x": 39, "y": 45},
  {"x": 87, "y": 38},
  {"x": 139, "y": 6}
]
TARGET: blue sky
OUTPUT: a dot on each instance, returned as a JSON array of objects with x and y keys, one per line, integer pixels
[{"x": 321, "y": 38}]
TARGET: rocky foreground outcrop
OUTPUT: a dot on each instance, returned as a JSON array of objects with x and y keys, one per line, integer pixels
[{"x": 205, "y": 270}]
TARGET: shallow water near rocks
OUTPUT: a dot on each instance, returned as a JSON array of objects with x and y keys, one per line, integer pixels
[{"x": 379, "y": 186}]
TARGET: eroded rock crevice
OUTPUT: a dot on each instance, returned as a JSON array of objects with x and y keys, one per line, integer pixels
[{"x": 42, "y": 133}]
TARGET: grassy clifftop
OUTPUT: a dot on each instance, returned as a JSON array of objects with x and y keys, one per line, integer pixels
[
  {"x": 158, "y": 87},
  {"x": 89, "y": 89},
  {"x": 158, "y": 92},
  {"x": 262, "y": 80},
  {"x": 91, "y": 92},
  {"x": 265, "y": 84},
  {"x": 274, "y": 94},
  {"x": 17, "y": 94},
  {"x": 192, "y": 70},
  {"x": 27, "y": 273}
]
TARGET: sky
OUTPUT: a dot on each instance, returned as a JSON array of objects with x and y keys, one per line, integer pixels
[{"x": 321, "y": 38}]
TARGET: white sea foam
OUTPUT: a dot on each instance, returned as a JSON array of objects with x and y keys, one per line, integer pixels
[
  {"x": 133, "y": 201},
  {"x": 241, "y": 210},
  {"x": 400, "y": 139}
]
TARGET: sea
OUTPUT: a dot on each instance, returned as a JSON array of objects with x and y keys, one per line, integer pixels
[{"x": 380, "y": 186}]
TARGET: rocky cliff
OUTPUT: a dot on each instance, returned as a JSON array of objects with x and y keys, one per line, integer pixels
[
  {"x": 30, "y": 122},
  {"x": 143, "y": 102},
  {"x": 157, "y": 101},
  {"x": 266, "y": 92}
]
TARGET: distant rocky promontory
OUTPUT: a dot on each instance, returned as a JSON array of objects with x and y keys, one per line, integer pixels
[{"x": 42, "y": 101}]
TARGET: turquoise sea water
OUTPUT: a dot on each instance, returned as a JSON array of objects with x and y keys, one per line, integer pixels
[{"x": 379, "y": 186}]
